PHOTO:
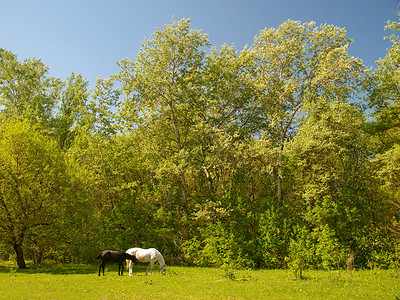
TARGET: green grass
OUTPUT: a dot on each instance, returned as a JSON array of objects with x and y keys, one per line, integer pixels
[{"x": 53, "y": 281}]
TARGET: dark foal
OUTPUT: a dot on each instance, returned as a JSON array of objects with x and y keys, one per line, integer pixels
[{"x": 114, "y": 257}]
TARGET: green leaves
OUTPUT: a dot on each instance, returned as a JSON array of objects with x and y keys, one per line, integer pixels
[
  {"x": 71, "y": 112},
  {"x": 32, "y": 182},
  {"x": 384, "y": 97},
  {"x": 25, "y": 90},
  {"x": 300, "y": 66},
  {"x": 242, "y": 158}
]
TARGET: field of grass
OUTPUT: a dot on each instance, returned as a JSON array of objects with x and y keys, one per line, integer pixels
[{"x": 53, "y": 281}]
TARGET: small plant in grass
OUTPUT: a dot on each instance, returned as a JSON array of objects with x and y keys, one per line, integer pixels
[
  {"x": 228, "y": 272},
  {"x": 149, "y": 282}
]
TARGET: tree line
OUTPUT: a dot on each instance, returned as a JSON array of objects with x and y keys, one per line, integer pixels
[{"x": 284, "y": 154}]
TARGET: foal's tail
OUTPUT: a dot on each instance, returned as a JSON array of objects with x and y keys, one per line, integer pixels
[{"x": 97, "y": 257}]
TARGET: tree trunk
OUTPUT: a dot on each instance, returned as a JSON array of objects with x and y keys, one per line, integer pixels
[
  {"x": 279, "y": 173},
  {"x": 20, "y": 255},
  {"x": 279, "y": 181},
  {"x": 182, "y": 183},
  {"x": 185, "y": 207}
]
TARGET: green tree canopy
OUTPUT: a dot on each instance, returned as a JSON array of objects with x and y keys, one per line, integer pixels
[
  {"x": 301, "y": 67},
  {"x": 26, "y": 92},
  {"x": 32, "y": 182},
  {"x": 384, "y": 97}
]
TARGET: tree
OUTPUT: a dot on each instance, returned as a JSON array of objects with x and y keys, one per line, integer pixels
[
  {"x": 226, "y": 116},
  {"x": 384, "y": 96},
  {"x": 159, "y": 87},
  {"x": 300, "y": 67},
  {"x": 333, "y": 182},
  {"x": 387, "y": 170},
  {"x": 26, "y": 92},
  {"x": 71, "y": 111},
  {"x": 384, "y": 100},
  {"x": 229, "y": 96},
  {"x": 32, "y": 179}
]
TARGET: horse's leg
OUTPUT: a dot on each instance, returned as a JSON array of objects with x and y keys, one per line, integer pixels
[
  {"x": 130, "y": 264},
  {"x": 119, "y": 268},
  {"x": 151, "y": 266},
  {"x": 100, "y": 268},
  {"x": 148, "y": 267}
]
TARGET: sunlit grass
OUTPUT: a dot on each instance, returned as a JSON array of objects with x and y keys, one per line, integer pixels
[{"x": 81, "y": 282}]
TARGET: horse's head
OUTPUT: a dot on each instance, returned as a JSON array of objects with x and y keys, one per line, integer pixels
[
  {"x": 132, "y": 258},
  {"x": 163, "y": 269}
]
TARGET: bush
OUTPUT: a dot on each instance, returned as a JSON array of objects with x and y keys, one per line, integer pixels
[
  {"x": 219, "y": 246},
  {"x": 273, "y": 231},
  {"x": 301, "y": 252}
]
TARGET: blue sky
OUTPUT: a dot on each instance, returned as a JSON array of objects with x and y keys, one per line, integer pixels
[{"x": 88, "y": 36}]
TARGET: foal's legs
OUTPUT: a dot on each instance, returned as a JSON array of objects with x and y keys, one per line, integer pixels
[
  {"x": 102, "y": 265},
  {"x": 120, "y": 268}
]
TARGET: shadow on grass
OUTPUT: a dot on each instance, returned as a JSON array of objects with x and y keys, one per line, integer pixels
[
  {"x": 65, "y": 269},
  {"x": 138, "y": 270},
  {"x": 49, "y": 268}
]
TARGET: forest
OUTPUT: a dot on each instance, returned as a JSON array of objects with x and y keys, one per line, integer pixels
[{"x": 285, "y": 154}]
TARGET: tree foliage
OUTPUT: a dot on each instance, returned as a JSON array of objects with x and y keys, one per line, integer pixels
[
  {"x": 255, "y": 158},
  {"x": 300, "y": 67},
  {"x": 26, "y": 91},
  {"x": 32, "y": 182}
]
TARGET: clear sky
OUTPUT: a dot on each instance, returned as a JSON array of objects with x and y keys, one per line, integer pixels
[{"x": 88, "y": 36}]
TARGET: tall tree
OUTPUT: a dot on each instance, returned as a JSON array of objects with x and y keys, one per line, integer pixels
[
  {"x": 332, "y": 187},
  {"x": 26, "y": 92},
  {"x": 230, "y": 92},
  {"x": 159, "y": 88},
  {"x": 227, "y": 112},
  {"x": 70, "y": 114},
  {"x": 384, "y": 97},
  {"x": 300, "y": 67},
  {"x": 32, "y": 178}
]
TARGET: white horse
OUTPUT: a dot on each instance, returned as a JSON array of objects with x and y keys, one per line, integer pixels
[{"x": 146, "y": 255}]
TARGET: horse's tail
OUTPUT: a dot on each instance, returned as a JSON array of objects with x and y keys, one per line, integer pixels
[{"x": 97, "y": 257}]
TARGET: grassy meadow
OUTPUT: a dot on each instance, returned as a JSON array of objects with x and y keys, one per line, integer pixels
[{"x": 54, "y": 281}]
